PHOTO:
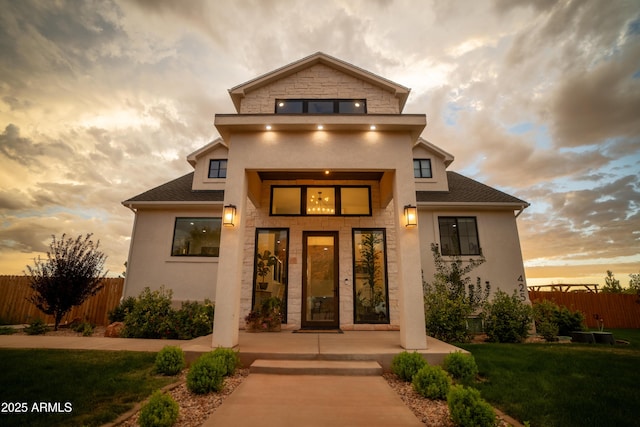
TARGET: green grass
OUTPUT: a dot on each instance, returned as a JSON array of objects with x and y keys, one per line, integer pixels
[
  {"x": 563, "y": 385},
  {"x": 99, "y": 385}
]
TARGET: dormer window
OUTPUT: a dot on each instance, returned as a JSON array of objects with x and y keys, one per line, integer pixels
[
  {"x": 218, "y": 168},
  {"x": 321, "y": 106}
]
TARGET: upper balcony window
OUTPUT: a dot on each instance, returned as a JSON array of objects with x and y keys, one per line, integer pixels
[{"x": 321, "y": 106}]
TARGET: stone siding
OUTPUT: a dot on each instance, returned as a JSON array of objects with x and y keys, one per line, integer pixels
[
  {"x": 317, "y": 82},
  {"x": 381, "y": 218}
]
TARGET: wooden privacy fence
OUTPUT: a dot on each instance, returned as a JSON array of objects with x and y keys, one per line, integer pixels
[
  {"x": 15, "y": 307},
  {"x": 617, "y": 310}
]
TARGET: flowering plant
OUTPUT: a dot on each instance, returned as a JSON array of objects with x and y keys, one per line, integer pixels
[{"x": 266, "y": 317}]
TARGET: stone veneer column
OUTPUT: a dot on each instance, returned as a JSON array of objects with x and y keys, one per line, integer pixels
[
  {"x": 412, "y": 323},
  {"x": 229, "y": 280}
]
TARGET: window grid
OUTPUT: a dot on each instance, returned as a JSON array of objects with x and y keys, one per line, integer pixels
[
  {"x": 336, "y": 206},
  {"x": 422, "y": 168},
  {"x": 459, "y": 236},
  {"x": 321, "y": 106},
  {"x": 217, "y": 168}
]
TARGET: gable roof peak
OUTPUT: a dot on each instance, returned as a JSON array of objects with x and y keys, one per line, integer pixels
[
  {"x": 238, "y": 92},
  {"x": 447, "y": 157}
]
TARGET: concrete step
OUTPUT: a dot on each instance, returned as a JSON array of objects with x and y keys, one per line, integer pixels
[{"x": 316, "y": 367}]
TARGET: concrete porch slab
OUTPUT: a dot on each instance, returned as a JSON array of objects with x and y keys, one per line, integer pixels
[{"x": 380, "y": 346}]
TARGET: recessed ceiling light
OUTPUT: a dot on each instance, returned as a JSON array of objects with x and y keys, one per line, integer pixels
[
  {"x": 372, "y": 127},
  {"x": 357, "y": 104},
  {"x": 326, "y": 172},
  {"x": 281, "y": 104},
  {"x": 320, "y": 127},
  {"x": 268, "y": 127}
]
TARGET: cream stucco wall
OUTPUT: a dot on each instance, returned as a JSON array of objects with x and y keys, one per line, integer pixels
[
  {"x": 201, "y": 180},
  {"x": 438, "y": 181},
  {"x": 151, "y": 264},
  {"x": 498, "y": 237},
  {"x": 319, "y": 81}
]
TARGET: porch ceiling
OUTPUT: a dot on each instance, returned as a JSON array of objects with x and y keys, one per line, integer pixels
[{"x": 291, "y": 175}]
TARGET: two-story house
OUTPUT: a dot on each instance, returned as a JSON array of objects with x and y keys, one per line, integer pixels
[{"x": 322, "y": 193}]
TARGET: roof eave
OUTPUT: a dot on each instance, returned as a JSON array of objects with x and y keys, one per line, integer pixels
[
  {"x": 170, "y": 204},
  {"x": 476, "y": 205}
]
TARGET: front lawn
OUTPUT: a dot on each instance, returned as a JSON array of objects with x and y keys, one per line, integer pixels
[
  {"x": 563, "y": 385},
  {"x": 73, "y": 387}
]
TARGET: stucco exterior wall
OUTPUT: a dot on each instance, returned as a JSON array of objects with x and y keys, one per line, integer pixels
[
  {"x": 498, "y": 238},
  {"x": 319, "y": 81},
  {"x": 151, "y": 264},
  {"x": 201, "y": 180},
  {"x": 438, "y": 181}
]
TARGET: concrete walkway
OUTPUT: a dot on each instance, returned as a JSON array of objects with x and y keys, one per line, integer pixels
[
  {"x": 310, "y": 401},
  {"x": 286, "y": 400}
]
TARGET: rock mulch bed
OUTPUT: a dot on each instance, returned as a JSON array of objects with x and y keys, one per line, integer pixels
[{"x": 195, "y": 409}]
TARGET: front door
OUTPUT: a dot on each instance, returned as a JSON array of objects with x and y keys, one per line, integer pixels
[{"x": 320, "y": 279}]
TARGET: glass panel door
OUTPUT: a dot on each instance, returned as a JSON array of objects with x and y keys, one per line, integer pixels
[
  {"x": 271, "y": 266},
  {"x": 320, "y": 280}
]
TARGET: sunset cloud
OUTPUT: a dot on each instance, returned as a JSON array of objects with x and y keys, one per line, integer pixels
[{"x": 101, "y": 100}]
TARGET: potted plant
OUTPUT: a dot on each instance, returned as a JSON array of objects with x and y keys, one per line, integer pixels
[
  {"x": 264, "y": 263},
  {"x": 266, "y": 318}
]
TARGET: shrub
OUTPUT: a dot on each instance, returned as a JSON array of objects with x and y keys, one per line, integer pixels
[
  {"x": 6, "y": 330},
  {"x": 229, "y": 358},
  {"x": 405, "y": 365},
  {"x": 507, "y": 318},
  {"x": 432, "y": 382},
  {"x": 468, "y": 409},
  {"x": 121, "y": 310},
  {"x": 461, "y": 366},
  {"x": 150, "y": 316},
  {"x": 544, "y": 314},
  {"x": 194, "y": 319},
  {"x": 552, "y": 320},
  {"x": 85, "y": 328},
  {"x": 452, "y": 297},
  {"x": 569, "y": 321},
  {"x": 160, "y": 411},
  {"x": 206, "y": 374},
  {"x": 36, "y": 327},
  {"x": 170, "y": 360}
]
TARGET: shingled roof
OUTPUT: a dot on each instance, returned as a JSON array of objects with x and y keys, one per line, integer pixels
[
  {"x": 178, "y": 190},
  {"x": 467, "y": 190}
]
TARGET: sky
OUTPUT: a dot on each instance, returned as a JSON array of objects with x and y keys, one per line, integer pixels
[{"x": 102, "y": 100}]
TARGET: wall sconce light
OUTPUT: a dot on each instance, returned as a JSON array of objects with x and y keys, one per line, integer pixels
[
  {"x": 410, "y": 216},
  {"x": 229, "y": 216}
]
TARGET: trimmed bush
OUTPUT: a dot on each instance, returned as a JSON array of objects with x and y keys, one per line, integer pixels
[
  {"x": 507, "y": 319},
  {"x": 405, "y": 365},
  {"x": 206, "y": 374},
  {"x": 229, "y": 358},
  {"x": 160, "y": 411},
  {"x": 468, "y": 409},
  {"x": 120, "y": 311},
  {"x": 432, "y": 382},
  {"x": 150, "y": 316},
  {"x": 461, "y": 366},
  {"x": 170, "y": 360},
  {"x": 194, "y": 319}
]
